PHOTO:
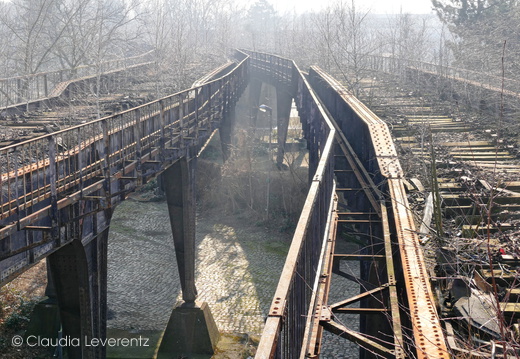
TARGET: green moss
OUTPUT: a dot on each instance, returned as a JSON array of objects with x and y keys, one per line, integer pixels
[
  {"x": 136, "y": 352},
  {"x": 278, "y": 248}
]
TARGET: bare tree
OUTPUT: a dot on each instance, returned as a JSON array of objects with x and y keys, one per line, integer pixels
[
  {"x": 343, "y": 31},
  {"x": 26, "y": 21}
]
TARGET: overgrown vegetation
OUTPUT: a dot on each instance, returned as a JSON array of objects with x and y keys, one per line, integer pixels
[
  {"x": 239, "y": 185},
  {"x": 15, "y": 311}
]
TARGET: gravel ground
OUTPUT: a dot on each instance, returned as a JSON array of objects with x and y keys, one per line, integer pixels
[{"x": 333, "y": 346}]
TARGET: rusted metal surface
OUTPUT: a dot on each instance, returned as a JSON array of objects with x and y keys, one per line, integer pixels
[
  {"x": 428, "y": 334},
  {"x": 356, "y": 337},
  {"x": 392, "y": 287},
  {"x": 275, "y": 70},
  {"x": 51, "y": 183},
  {"x": 370, "y": 139},
  {"x": 215, "y": 74},
  {"x": 318, "y": 311},
  {"x": 476, "y": 178},
  {"x": 41, "y": 177},
  {"x": 365, "y": 142}
]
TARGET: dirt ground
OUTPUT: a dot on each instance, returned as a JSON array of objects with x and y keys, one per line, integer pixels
[{"x": 16, "y": 302}]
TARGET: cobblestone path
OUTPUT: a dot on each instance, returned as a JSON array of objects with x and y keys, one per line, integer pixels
[
  {"x": 238, "y": 266},
  {"x": 237, "y": 269}
]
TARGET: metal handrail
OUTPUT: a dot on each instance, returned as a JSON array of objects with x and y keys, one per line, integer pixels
[
  {"x": 284, "y": 330},
  {"x": 392, "y": 64},
  {"x": 19, "y": 90}
]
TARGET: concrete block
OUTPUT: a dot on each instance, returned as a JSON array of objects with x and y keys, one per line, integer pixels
[{"x": 190, "y": 330}]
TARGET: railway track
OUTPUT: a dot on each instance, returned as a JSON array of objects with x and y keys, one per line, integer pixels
[
  {"x": 18, "y": 128},
  {"x": 468, "y": 209},
  {"x": 80, "y": 104}
]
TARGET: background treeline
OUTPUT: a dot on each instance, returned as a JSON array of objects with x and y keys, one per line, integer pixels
[
  {"x": 480, "y": 28},
  {"x": 43, "y": 35}
]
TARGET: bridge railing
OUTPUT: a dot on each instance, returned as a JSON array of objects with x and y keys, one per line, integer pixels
[
  {"x": 42, "y": 176},
  {"x": 23, "y": 89},
  {"x": 394, "y": 65},
  {"x": 283, "y": 335},
  {"x": 274, "y": 69}
]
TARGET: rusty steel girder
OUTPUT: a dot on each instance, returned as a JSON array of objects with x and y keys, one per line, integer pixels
[{"x": 370, "y": 139}]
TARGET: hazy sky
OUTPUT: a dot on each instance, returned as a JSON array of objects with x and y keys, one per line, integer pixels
[{"x": 376, "y": 6}]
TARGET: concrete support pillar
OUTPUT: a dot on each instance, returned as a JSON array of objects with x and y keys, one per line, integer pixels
[
  {"x": 283, "y": 107},
  {"x": 191, "y": 328}
]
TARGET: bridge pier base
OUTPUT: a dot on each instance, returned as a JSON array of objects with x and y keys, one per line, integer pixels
[{"x": 191, "y": 329}]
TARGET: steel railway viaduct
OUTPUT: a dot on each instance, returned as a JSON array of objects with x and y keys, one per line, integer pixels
[{"x": 58, "y": 193}]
